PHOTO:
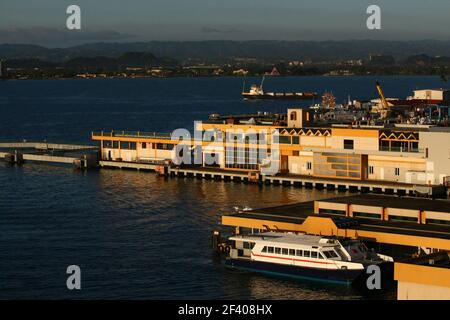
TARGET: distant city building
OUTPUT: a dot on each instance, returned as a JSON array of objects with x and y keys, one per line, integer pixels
[
  {"x": 274, "y": 72},
  {"x": 437, "y": 95},
  {"x": 240, "y": 72}
]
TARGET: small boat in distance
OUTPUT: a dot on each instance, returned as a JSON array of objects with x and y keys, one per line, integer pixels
[
  {"x": 304, "y": 256},
  {"x": 257, "y": 92}
]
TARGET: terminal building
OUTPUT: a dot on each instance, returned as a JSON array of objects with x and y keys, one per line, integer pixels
[{"x": 403, "y": 154}]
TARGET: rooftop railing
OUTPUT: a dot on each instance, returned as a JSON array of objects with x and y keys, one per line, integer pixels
[
  {"x": 137, "y": 134},
  {"x": 401, "y": 149}
]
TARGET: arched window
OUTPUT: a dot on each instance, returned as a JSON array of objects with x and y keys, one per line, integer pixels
[{"x": 294, "y": 116}]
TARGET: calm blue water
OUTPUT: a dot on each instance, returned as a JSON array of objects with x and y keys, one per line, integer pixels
[{"x": 136, "y": 235}]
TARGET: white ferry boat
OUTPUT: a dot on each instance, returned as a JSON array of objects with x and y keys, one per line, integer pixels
[{"x": 303, "y": 256}]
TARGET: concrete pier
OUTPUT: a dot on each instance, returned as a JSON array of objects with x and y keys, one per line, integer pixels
[
  {"x": 287, "y": 180},
  {"x": 80, "y": 156}
]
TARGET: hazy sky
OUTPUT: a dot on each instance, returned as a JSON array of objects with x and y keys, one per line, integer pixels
[{"x": 43, "y": 21}]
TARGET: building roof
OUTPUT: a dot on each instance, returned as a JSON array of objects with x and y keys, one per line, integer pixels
[
  {"x": 286, "y": 238},
  {"x": 394, "y": 202}
]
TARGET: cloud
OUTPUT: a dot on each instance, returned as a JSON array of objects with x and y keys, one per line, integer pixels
[
  {"x": 58, "y": 37},
  {"x": 215, "y": 30}
]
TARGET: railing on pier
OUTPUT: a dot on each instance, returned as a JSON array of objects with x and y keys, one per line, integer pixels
[{"x": 140, "y": 134}]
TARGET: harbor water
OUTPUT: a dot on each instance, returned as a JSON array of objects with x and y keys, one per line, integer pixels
[{"x": 136, "y": 235}]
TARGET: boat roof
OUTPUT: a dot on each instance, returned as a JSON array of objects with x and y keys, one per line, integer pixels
[{"x": 286, "y": 238}]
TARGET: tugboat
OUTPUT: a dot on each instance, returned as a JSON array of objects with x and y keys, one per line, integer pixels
[
  {"x": 304, "y": 257},
  {"x": 257, "y": 92}
]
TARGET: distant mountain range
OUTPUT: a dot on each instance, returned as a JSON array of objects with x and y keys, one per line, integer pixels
[
  {"x": 128, "y": 59},
  {"x": 220, "y": 51}
]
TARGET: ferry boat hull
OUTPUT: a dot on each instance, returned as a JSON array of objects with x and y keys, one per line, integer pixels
[{"x": 341, "y": 276}]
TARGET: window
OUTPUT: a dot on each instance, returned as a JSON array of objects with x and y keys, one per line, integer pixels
[
  {"x": 321, "y": 255},
  {"x": 314, "y": 254},
  {"x": 278, "y": 250},
  {"x": 295, "y": 153},
  {"x": 249, "y": 245},
  {"x": 348, "y": 144},
  {"x": 295, "y": 140},
  {"x": 330, "y": 254},
  {"x": 270, "y": 249},
  {"x": 331, "y": 211},
  {"x": 402, "y": 218},
  {"x": 291, "y": 252},
  {"x": 124, "y": 145},
  {"x": 366, "y": 215},
  {"x": 299, "y": 253},
  {"x": 293, "y": 115},
  {"x": 164, "y": 146},
  {"x": 306, "y": 253},
  {"x": 144, "y": 145},
  {"x": 285, "y": 251},
  {"x": 370, "y": 169},
  {"x": 309, "y": 165},
  {"x": 115, "y": 144},
  {"x": 437, "y": 221},
  {"x": 397, "y": 171},
  {"x": 264, "y": 249},
  {"x": 284, "y": 139}
]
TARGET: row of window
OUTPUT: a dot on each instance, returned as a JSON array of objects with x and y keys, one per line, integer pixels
[
  {"x": 241, "y": 138},
  {"x": 288, "y": 140},
  {"x": 293, "y": 252},
  {"x": 126, "y": 145},
  {"x": 396, "y": 171}
]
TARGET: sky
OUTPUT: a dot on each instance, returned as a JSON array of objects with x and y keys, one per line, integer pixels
[{"x": 44, "y": 21}]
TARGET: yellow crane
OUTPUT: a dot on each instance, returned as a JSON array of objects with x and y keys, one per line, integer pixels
[{"x": 384, "y": 104}]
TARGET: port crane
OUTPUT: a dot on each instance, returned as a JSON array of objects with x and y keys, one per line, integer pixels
[{"x": 384, "y": 103}]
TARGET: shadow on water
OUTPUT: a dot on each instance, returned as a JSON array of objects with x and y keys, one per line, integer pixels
[{"x": 259, "y": 286}]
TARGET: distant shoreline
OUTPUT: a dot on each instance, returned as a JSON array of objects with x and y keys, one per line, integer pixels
[{"x": 224, "y": 76}]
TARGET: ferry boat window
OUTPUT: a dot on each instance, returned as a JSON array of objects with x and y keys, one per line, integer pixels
[
  {"x": 299, "y": 253},
  {"x": 321, "y": 256},
  {"x": 292, "y": 252},
  {"x": 144, "y": 145},
  {"x": 330, "y": 254},
  {"x": 306, "y": 253},
  {"x": 278, "y": 250},
  {"x": 285, "y": 251},
  {"x": 246, "y": 245},
  {"x": 264, "y": 249},
  {"x": 270, "y": 249},
  {"x": 314, "y": 254}
]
